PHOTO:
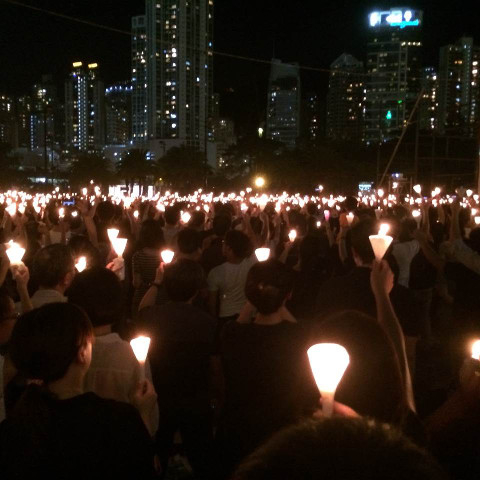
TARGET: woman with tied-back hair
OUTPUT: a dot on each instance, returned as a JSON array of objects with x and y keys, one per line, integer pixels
[{"x": 53, "y": 429}]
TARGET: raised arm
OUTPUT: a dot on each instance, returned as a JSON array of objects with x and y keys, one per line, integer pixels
[{"x": 381, "y": 280}]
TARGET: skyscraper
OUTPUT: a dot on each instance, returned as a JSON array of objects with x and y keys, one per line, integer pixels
[
  {"x": 44, "y": 118},
  {"x": 459, "y": 88},
  {"x": 346, "y": 99},
  {"x": 283, "y": 103},
  {"x": 85, "y": 108},
  {"x": 118, "y": 108},
  {"x": 7, "y": 120},
  {"x": 428, "y": 109},
  {"x": 179, "y": 69},
  {"x": 394, "y": 71},
  {"x": 139, "y": 81}
]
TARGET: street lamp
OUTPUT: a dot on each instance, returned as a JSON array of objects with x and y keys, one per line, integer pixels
[{"x": 259, "y": 182}]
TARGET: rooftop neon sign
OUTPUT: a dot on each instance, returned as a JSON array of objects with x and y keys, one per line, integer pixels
[{"x": 396, "y": 18}]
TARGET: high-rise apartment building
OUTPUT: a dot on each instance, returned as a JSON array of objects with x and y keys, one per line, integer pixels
[
  {"x": 459, "y": 88},
  {"x": 7, "y": 120},
  {"x": 45, "y": 121},
  {"x": 85, "y": 108},
  {"x": 139, "y": 81},
  {"x": 428, "y": 109},
  {"x": 394, "y": 71},
  {"x": 179, "y": 70},
  {"x": 118, "y": 113},
  {"x": 346, "y": 99},
  {"x": 284, "y": 103}
]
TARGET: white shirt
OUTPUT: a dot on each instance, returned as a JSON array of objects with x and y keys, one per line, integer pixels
[
  {"x": 44, "y": 296},
  {"x": 229, "y": 280},
  {"x": 404, "y": 253},
  {"x": 114, "y": 371}
]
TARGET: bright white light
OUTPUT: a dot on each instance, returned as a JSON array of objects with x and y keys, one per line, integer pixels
[
  {"x": 477, "y": 220},
  {"x": 476, "y": 350},
  {"x": 119, "y": 245},
  {"x": 112, "y": 233},
  {"x": 292, "y": 235},
  {"x": 374, "y": 19},
  {"x": 81, "y": 264},
  {"x": 15, "y": 253},
  {"x": 259, "y": 182},
  {"x": 384, "y": 228},
  {"x": 167, "y": 256},
  {"x": 328, "y": 362},
  {"x": 417, "y": 189},
  {"x": 263, "y": 254},
  {"x": 350, "y": 218},
  {"x": 186, "y": 217},
  {"x": 408, "y": 15}
]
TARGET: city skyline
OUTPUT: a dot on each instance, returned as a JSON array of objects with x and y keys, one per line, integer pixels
[{"x": 315, "y": 36}]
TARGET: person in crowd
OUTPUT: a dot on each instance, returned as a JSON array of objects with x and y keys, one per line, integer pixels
[
  {"x": 339, "y": 449},
  {"x": 53, "y": 272},
  {"x": 189, "y": 244},
  {"x": 114, "y": 371},
  {"x": 54, "y": 429},
  {"x": 226, "y": 283},
  {"x": 181, "y": 349},
  {"x": 146, "y": 259},
  {"x": 171, "y": 228},
  {"x": 268, "y": 382},
  {"x": 212, "y": 255}
]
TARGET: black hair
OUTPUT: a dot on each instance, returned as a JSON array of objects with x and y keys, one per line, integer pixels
[
  {"x": 268, "y": 285},
  {"x": 183, "y": 279},
  {"x": 221, "y": 225},
  {"x": 189, "y": 241},
  {"x": 99, "y": 292},
  {"x": 360, "y": 242},
  {"x": 43, "y": 345},
  {"x": 339, "y": 448},
  {"x": 197, "y": 220},
  {"x": 172, "y": 215},
  {"x": 239, "y": 243},
  {"x": 51, "y": 264},
  {"x": 151, "y": 235}
]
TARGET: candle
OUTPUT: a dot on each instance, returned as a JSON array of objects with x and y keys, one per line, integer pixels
[
  {"x": 61, "y": 213},
  {"x": 328, "y": 362},
  {"x": 167, "y": 256},
  {"x": 292, "y": 235},
  {"x": 417, "y": 215},
  {"x": 118, "y": 245},
  {"x": 140, "y": 346},
  {"x": 381, "y": 242},
  {"x": 350, "y": 218},
  {"x": 469, "y": 193},
  {"x": 476, "y": 350},
  {"x": 112, "y": 234},
  {"x": 380, "y": 193},
  {"x": 243, "y": 207},
  {"x": 185, "y": 217},
  {"x": 74, "y": 214},
  {"x": 326, "y": 213},
  {"x": 81, "y": 264},
  {"x": 417, "y": 189},
  {"x": 263, "y": 254},
  {"x": 15, "y": 254},
  {"x": 477, "y": 220},
  {"x": 319, "y": 224}
]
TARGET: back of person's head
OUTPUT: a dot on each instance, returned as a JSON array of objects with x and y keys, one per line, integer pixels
[
  {"x": 52, "y": 264},
  {"x": 221, "y": 225},
  {"x": 99, "y": 292},
  {"x": 372, "y": 384},
  {"x": 239, "y": 243},
  {"x": 360, "y": 242},
  {"x": 172, "y": 215},
  {"x": 105, "y": 211},
  {"x": 183, "y": 279},
  {"x": 339, "y": 449},
  {"x": 151, "y": 235},
  {"x": 268, "y": 285},
  {"x": 407, "y": 227},
  {"x": 257, "y": 225},
  {"x": 313, "y": 251},
  {"x": 189, "y": 241},
  {"x": 197, "y": 221},
  {"x": 45, "y": 341}
]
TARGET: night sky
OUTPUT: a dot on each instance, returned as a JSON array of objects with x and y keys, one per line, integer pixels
[{"x": 311, "y": 32}]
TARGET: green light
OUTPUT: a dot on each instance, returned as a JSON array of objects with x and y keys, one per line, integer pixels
[
  {"x": 400, "y": 101},
  {"x": 388, "y": 116}
]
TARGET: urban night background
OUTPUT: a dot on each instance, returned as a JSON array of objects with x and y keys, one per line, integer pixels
[{"x": 322, "y": 141}]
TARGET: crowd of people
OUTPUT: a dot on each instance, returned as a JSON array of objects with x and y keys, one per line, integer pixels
[{"x": 227, "y": 391}]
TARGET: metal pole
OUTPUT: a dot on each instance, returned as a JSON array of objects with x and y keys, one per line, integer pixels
[
  {"x": 417, "y": 138},
  {"x": 404, "y": 131}
]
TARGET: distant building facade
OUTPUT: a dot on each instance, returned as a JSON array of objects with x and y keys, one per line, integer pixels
[
  {"x": 394, "y": 71},
  {"x": 85, "y": 108},
  {"x": 284, "y": 103},
  {"x": 428, "y": 109},
  {"x": 459, "y": 88},
  {"x": 118, "y": 113},
  {"x": 346, "y": 99}
]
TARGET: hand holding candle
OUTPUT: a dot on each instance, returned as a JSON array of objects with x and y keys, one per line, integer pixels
[
  {"x": 140, "y": 346},
  {"x": 328, "y": 362},
  {"x": 118, "y": 245},
  {"x": 381, "y": 242},
  {"x": 15, "y": 254}
]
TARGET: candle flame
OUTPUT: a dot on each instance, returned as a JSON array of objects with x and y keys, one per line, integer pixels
[
  {"x": 476, "y": 350},
  {"x": 262, "y": 254},
  {"x": 167, "y": 256},
  {"x": 140, "y": 346},
  {"x": 384, "y": 228}
]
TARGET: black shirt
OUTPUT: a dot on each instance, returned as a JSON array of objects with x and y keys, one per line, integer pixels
[
  {"x": 182, "y": 338},
  {"x": 268, "y": 380},
  {"x": 87, "y": 437}
]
